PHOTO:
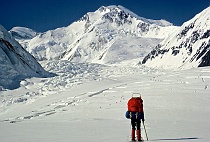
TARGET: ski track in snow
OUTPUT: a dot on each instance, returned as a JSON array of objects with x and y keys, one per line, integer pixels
[{"x": 98, "y": 94}]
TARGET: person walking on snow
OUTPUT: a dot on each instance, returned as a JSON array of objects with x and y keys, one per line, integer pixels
[{"x": 136, "y": 114}]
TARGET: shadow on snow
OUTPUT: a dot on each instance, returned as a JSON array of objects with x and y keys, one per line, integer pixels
[{"x": 175, "y": 139}]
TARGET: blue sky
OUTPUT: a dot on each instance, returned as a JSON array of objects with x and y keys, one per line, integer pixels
[{"x": 50, "y": 14}]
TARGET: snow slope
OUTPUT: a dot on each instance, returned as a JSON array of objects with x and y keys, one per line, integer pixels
[
  {"x": 87, "y": 102},
  {"x": 23, "y": 35},
  {"x": 89, "y": 38},
  {"x": 16, "y": 63},
  {"x": 188, "y": 47},
  {"x": 126, "y": 49}
]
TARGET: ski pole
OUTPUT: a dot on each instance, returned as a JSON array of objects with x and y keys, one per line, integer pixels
[{"x": 145, "y": 130}]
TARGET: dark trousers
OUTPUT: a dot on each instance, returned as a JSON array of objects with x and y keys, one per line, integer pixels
[{"x": 135, "y": 124}]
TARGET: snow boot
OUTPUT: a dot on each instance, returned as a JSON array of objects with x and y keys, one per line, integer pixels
[
  {"x": 133, "y": 135},
  {"x": 138, "y": 133}
]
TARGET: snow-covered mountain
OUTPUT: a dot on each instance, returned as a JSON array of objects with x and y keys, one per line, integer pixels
[
  {"x": 188, "y": 47},
  {"x": 15, "y": 62},
  {"x": 90, "y": 38},
  {"x": 87, "y": 102},
  {"x": 23, "y": 35}
]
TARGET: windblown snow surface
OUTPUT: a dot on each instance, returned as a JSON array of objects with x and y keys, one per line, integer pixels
[{"x": 87, "y": 102}]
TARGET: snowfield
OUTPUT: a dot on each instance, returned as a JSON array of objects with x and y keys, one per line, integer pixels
[{"x": 87, "y": 102}]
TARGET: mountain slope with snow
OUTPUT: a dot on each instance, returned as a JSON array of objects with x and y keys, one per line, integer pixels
[
  {"x": 15, "y": 62},
  {"x": 188, "y": 47},
  {"x": 23, "y": 35},
  {"x": 127, "y": 49},
  {"x": 89, "y": 38}
]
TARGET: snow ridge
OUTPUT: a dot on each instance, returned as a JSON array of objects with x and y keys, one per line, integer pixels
[{"x": 23, "y": 33}]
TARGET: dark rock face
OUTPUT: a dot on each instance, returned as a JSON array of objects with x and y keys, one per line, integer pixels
[
  {"x": 144, "y": 27},
  {"x": 206, "y": 58},
  {"x": 154, "y": 53},
  {"x": 119, "y": 17}
]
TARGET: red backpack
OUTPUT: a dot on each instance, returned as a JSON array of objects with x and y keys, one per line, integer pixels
[{"x": 135, "y": 104}]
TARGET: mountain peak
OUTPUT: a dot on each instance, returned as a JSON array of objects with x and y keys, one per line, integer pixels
[
  {"x": 127, "y": 12},
  {"x": 117, "y": 11},
  {"x": 90, "y": 38},
  {"x": 23, "y": 33}
]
